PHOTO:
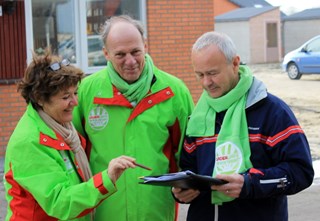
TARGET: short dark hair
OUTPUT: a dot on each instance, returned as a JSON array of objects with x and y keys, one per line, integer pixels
[{"x": 40, "y": 82}]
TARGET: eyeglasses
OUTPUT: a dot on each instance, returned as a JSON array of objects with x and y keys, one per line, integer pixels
[{"x": 57, "y": 65}]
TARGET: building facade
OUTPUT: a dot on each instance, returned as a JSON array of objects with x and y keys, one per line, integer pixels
[
  {"x": 71, "y": 27},
  {"x": 256, "y": 32},
  {"x": 300, "y": 27}
]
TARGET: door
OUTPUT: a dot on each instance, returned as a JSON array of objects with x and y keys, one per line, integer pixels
[{"x": 272, "y": 42}]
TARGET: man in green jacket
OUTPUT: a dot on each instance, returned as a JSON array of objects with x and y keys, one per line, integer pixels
[{"x": 133, "y": 108}]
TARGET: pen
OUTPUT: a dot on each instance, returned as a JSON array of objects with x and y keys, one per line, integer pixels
[{"x": 142, "y": 166}]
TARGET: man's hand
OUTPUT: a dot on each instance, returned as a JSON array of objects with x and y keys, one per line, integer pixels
[
  {"x": 233, "y": 187},
  {"x": 185, "y": 196}
]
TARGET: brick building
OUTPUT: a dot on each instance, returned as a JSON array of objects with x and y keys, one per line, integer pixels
[
  {"x": 70, "y": 28},
  {"x": 172, "y": 27}
]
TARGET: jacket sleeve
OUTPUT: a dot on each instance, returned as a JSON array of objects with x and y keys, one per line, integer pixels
[
  {"x": 188, "y": 155},
  {"x": 184, "y": 109},
  {"x": 282, "y": 161},
  {"x": 58, "y": 191}
]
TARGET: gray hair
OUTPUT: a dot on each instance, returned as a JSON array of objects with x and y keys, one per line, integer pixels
[
  {"x": 105, "y": 29},
  {"x": 222, "y": 41}
]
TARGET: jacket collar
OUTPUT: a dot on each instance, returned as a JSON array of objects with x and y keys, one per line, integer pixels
[
  {"x": 257, "y": 92},
  {"x": 43, "y": 127},
  {"x": 47, "y": 136}
]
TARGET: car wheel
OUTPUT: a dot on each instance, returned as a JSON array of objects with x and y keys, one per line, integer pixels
[{"x": 293, "y": 71}]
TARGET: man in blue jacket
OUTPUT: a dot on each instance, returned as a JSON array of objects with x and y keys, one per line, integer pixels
[{"x": 244, "y": 135}]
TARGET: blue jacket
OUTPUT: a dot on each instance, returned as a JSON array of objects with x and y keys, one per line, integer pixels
[{"x": 280, "y": 156}]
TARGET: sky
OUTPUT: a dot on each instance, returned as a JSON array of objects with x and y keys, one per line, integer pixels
[{"x": 293, "y": 6}]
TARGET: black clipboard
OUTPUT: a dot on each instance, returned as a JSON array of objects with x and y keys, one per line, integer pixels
[{"x": 184, "y": 180}]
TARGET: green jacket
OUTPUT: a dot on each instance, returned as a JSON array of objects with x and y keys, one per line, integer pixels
[
  {"x": 152, "y": 132},
  {"x": 41, "y": 181}
]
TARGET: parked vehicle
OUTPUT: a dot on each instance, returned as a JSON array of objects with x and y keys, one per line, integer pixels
[{"x": 303, "y": 60}]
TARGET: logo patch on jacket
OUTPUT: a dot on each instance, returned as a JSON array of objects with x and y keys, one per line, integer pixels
[
  {"x": 228, "y": 158},
  {"x": 98, "y": 118}
]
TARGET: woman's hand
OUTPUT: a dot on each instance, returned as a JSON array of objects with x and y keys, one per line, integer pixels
[{"x": 118, "y": 165}]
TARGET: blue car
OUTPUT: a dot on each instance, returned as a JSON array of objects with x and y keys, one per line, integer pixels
[{"x": 303, "y": 60}]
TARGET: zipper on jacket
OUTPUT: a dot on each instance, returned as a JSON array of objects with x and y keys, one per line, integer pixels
[{"x": 281, "y": 182}]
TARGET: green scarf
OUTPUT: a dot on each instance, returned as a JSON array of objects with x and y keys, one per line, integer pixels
[
  {"x": 232, "y": 146},
  {"x": 136, "y": 91}
]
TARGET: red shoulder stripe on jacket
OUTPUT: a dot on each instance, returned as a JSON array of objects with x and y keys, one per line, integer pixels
[
  {"x": 199, "y": 141},
  {"x": 274, "y": 140},
  {"x": 268, "y": 140},
  {"x": 150, "y": 101},
  {"x": 118, "y": 99},
  {"x": 23, "y": 205}
]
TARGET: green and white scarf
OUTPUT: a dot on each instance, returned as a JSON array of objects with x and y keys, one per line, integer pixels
[
  {"x": 232, "y": 146},
  {"x": 136, "y": 91}
]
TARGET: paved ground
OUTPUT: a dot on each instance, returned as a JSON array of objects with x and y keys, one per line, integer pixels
[{"x": 302, "y": 206}]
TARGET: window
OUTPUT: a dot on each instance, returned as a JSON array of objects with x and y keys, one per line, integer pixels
[
  {"x": 314, "y": 46},
  {"x": 97, "y": 12},
  {"x": 71, "y": 27},
  {"x": 53, "y": 25}
]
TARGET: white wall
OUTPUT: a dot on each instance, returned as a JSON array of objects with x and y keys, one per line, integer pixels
[
  {"x": 298, "y": 32},
  {"x": 240, "y": 34}
]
